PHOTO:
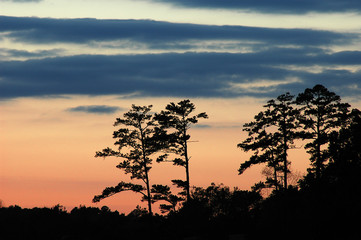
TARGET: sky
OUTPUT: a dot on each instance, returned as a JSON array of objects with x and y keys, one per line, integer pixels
[{"x": 68, "y": 68}]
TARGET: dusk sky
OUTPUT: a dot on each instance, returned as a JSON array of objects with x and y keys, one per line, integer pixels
[{"x": 68, "y": 68}]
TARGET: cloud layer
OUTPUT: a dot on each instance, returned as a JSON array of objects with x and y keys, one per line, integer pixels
[
  {"x": 153, "y": 33},
  {"x": 23, "y": 1},
  {"x": 275, "y": 6},
  {"x": 188, "y": 74},
  {"x": 275, "y": 60}
]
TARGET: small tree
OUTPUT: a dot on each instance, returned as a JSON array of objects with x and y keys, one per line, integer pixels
[
  {"x": 177, "y": 118},
  {"x": 271, "y": 135},
  {"x": 264, "y": 146},
  {"x": 163, "y": 193},
  {"x": 136, "y": 143},
  {"x": 321, "y": 113}
]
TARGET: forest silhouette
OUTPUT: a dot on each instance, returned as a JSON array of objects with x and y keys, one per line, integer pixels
[{"x": 323, "y": 204}]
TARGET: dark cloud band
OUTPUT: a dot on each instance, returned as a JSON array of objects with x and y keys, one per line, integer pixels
[
  {"x": 23, "y": 1},
  {"x": 96, "y": 109},
  {"x": 279, "y": 60},
  {"x": 274, "y": 6},
  {"x": 182, "y": 75},
  {"x": 154, "y": 33}
]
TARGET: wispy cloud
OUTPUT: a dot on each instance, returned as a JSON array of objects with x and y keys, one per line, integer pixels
[
  {"x": 24, "y": 54},
  {"x": 267, "y": 6},
  {"x": 260, "y": 86},
  {"x": 202, "y": 126},
  {"x": 22, "y": 1},
  {"x": 96, "y": 109}
]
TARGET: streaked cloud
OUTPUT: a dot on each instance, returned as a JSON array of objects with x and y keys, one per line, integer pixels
[
  {"x": 191, "y": 60},
  {"x": 260, "y": 86},
  {"x": 267, "y": 6},
  {"x": 202, "y": 126},
  {"x": 96, "y": 109},
  {"x": 155, "y": 33},
  {"x": 25, "y": 54},
  {"x": 189, "y": 74},
  {"x": 22, "y": 1}
]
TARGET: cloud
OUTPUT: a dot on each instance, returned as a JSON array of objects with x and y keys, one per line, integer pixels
[
  {"x": 202, "y": 126},
  {"x": 97, "y": 109},
  {"x": 260, "y": 86},
  {"x": 276, "y": 60},
  {"x": 23, "y": 1},
  {"x": 156, "y": 34},
  {"x": 278, "y": 6},
  {"x": 260, "y": 74},
  {"x": 16, "y": 53}
]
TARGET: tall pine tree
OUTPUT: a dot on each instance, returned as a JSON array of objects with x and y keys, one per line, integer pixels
[
  {"x": 271, "y": 135},
  {"x": 321, "y": 113},
  {"x": 177, "y": 118},
  {"x": 136, "y": 144}
]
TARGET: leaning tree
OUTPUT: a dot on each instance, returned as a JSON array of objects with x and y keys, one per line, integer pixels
[{"x": 136, "y": 143}]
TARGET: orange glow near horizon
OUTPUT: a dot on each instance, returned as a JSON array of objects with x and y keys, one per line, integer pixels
[{"x": 47, "y": 153}]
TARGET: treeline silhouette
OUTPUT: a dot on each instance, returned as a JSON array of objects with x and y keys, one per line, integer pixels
[
  {"x": 212, "y": 213},
  {"x": 324, "y": 204}
]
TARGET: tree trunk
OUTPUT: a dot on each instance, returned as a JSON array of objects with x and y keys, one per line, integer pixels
[
  {"x": 275, "y": 177},
  {"x": 285, "y": 148},
  {"x": 274, "y": 164},
  {"x": 318, "y": 160},
  {"x": 187, "y": 170},
  {"x": 285, "y": 170},
  {"x": 149, "y": 198},
  {"x": 318, "y": 151}
]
